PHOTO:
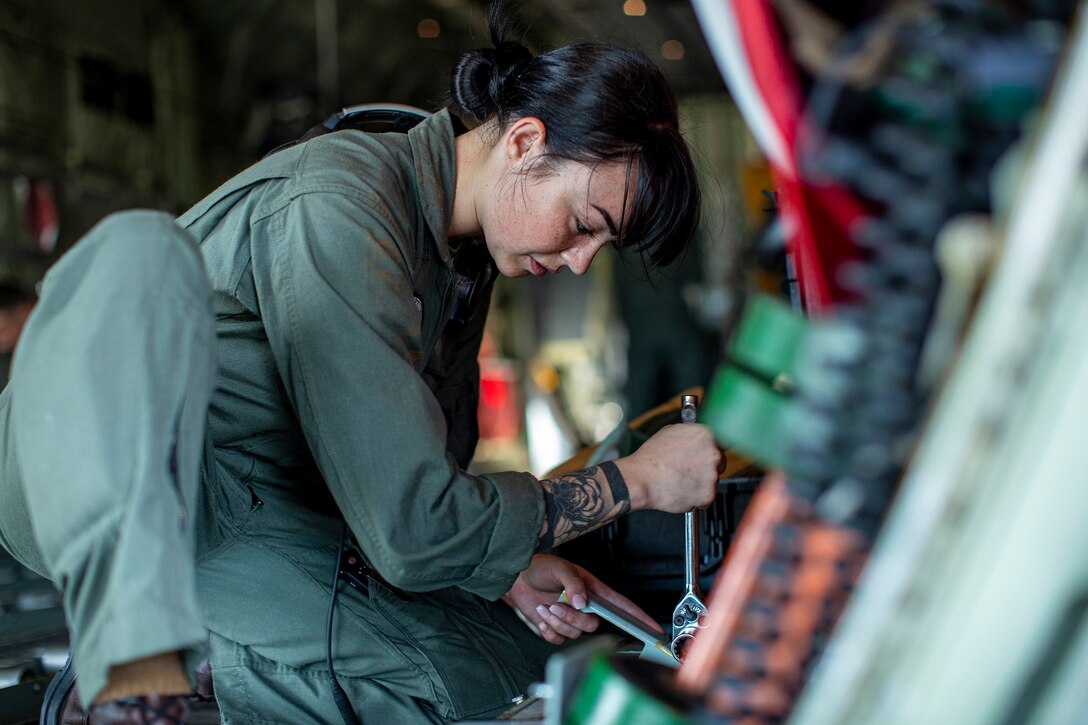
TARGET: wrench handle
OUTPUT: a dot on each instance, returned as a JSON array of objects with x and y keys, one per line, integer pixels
[
  {"x": 689, "y": 408},
  {"x": 691, "y": 552}
]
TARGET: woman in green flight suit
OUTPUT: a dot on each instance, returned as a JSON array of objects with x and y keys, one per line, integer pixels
[{"x": 202, "y": 410}]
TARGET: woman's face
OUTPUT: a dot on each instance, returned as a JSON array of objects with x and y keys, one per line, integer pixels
[{"x": 551, "y": 218}]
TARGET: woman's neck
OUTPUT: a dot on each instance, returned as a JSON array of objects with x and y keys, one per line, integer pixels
[{"x": 472, "y": 159}]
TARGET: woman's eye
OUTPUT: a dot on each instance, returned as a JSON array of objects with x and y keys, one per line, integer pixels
[{"x": 580, "y": 227}]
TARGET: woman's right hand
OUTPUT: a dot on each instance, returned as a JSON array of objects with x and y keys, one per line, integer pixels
[{"x": 676, "y": 470}]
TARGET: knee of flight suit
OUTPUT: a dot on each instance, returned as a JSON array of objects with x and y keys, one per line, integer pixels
[{"x": 131, "y": 254}]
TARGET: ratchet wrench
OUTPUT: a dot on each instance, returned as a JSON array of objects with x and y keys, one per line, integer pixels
[{"x": 690, "y": 614}]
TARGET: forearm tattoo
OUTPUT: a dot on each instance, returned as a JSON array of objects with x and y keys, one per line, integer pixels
[{"x": 579, "y": 502}]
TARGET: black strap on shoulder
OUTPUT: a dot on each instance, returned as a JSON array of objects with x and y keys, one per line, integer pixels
[{"x": 372, "y": 117}]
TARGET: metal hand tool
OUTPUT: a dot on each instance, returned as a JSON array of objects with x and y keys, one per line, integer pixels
[
  {"x": 690, "y": 614},
  {"x": 653, "y": 648}
]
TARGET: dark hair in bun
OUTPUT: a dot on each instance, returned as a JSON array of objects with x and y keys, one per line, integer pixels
[
  {"x": 599, "y": 103},
  {"x": 480, "y": 76}
]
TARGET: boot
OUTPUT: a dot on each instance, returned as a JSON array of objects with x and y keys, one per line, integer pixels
[{"x": 62, "y": 705}]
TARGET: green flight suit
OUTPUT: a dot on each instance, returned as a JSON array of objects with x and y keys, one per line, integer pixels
[{"x": 343, "y": 393}]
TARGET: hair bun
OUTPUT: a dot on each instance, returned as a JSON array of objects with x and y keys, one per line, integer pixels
[
  {"x": 511, "y": 56},
  {"x": 480, "y": 77},
  {"x": 472, "y": 81}
]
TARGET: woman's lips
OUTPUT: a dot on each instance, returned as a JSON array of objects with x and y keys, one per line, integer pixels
[{"x": 537, "y": 268}]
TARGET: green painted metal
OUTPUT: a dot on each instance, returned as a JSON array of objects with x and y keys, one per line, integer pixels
[
  {"x": 749, "y": 402},
  {"x": 769, "y": 338},
  {"x": 747, "y": 414},
  {"x": 608, "y": 696}
]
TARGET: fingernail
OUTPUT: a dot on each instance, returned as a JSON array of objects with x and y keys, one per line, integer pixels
[
  {"x": 543, "y": 627},
  {"x": 556, "y": 610},
  {"x": 542, "y": 610},
  {"x": 578, "y": 601}
]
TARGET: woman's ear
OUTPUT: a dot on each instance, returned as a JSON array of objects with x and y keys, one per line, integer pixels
[{"x": 523, "y": 138}]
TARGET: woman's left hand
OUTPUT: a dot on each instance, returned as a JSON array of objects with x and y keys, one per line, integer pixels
[{"x": 536, "y": 590}]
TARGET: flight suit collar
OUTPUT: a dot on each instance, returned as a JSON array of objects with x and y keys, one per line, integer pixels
[{"x": 435, "y": 159}]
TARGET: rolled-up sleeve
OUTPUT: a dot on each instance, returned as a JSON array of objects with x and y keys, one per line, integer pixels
[{"x": 335, "y": 293}]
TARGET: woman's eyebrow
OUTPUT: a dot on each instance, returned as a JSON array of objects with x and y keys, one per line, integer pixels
[{"x": 607, "y": 220}]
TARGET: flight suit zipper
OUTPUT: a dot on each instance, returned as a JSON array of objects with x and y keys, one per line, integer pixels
[
  {"x": 449, "y": 302},
  {"x": 451, "y": 298}
]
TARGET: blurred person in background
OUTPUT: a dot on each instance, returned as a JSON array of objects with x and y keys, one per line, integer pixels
[{"x": 668, "y": 347}]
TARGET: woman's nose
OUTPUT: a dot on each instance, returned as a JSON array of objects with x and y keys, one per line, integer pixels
[{"x": 579, "y": 256}]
